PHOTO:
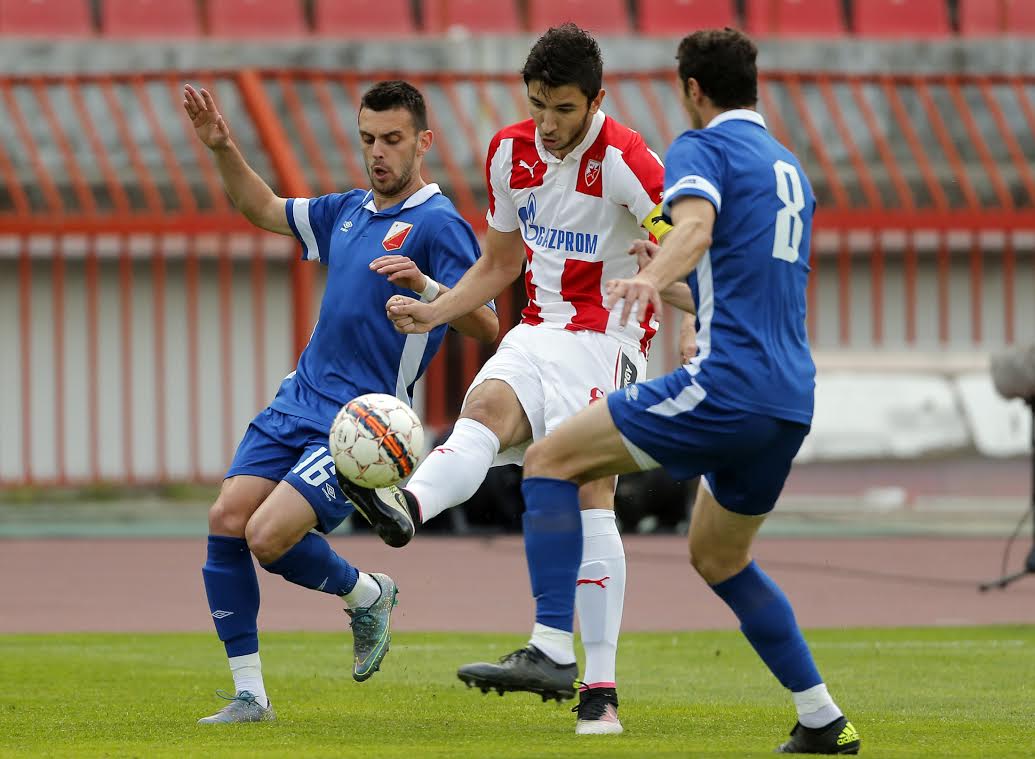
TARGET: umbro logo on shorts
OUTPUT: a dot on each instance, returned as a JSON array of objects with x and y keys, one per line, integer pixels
[{"x": 220, "y": 614}]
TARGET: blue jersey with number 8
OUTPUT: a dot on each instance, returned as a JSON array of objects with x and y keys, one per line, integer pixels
[{"x": 753, "y": 351}]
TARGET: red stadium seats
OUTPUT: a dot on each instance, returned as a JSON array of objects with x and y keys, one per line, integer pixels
[
  {"x": 359, "y": 18},
  {"x": 476, "y": 16},
  {"x": 676, "y": 18},
  {"x": 596, "y": 16},
  {"x": 795, "y": 18},
  {"x": 989, "y": 18},
  {"x": 149, "y": 18},
  {"x": 981, "y": 18},
  {"x": 1020, "y": 17},
  {"x": 256, "y": 18},
  {"x": 902, "y": 18},
  {"x": 45, "y": 18}
]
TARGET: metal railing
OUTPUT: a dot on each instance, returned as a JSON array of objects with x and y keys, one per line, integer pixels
[{"x": 124, "y": 267}]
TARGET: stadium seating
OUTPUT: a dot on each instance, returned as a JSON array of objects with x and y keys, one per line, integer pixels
[
  {"x": 149, "y": 18},
  {"x": 256, "y": 18},
  {"x": 890, "y": 19},
  {"x": 45, "y": 18},
  {"x": 902, "y": 18},
  {"x": 675, "y": 18},
  {"x": 598, "y": 16},
  {"x": 985, "y": 18},
  {"x": 360, "y": 18},
  {"x": 475, "y": 16},
  {"x": 981, "y": 18},
  {"x": 795, "y": 18},
  {"x": 1020, "y": 17}
]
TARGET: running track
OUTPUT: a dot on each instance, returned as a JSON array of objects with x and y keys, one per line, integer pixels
[{"x": 482, "y": 585}]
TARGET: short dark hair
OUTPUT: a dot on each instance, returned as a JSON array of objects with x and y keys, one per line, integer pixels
[
  {"x": 384, "y": 96},
  {"x": 723, "y": 63},
  {"x": 566, "y": 54}
]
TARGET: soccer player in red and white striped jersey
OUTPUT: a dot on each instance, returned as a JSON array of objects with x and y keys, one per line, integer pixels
[{"x": 569, "y": 190}]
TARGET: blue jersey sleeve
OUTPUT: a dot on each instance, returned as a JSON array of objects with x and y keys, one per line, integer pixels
[
  {"x": 313, "y": 220},
  {"x": 693, "y": 168},
  {"x": 453, "y": 251}
]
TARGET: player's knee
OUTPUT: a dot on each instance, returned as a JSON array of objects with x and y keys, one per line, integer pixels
[
  {"x": 483, "y": 411},
  {"x": 227, "y": 518},
  {"x": 716, "y": 566},
  {"x": 265, "y": 541},
  {"x": 538, "y": 462}
]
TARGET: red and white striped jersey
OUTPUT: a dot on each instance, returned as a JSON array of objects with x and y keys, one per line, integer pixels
[{"x": 578, "y": 215}]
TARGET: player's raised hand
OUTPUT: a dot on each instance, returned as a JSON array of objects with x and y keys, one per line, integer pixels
[
  {"x": 644, "y": 250},
  {"x": 400, "y": 271},
  {"x": 637, "y": 294},
  {"x": 207, "y": 120},
  {"x": 410, "y": 316}
]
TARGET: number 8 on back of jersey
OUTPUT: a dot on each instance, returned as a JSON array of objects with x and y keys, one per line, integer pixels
[{"x": 376, "y": 440}]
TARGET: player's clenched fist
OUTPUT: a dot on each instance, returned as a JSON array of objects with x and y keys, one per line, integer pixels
[
  {"x": 411, "y": 317},
  {"x": 400, "y": 271},
  {"x": 207, "y": 120},
  {"x": 637, "y": 293}
]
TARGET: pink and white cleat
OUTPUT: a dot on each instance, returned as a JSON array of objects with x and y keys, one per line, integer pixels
[{"x": 598, "y": 712}]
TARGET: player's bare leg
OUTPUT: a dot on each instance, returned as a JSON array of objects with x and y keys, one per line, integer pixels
[
  {"x": 720, "y": 552},
  {"x": 281, "y": 538}
]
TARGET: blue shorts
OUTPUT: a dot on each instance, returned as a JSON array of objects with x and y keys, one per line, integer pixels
[
  {"x": 279, "y": 446},
  {"x": 672, "y": 422}
]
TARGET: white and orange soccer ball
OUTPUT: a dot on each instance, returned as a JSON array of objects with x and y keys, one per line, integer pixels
[{"x": 376, "y": 440}]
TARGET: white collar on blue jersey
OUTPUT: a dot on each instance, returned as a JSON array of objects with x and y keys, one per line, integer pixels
[
  {"x": 424, "y": 194},
  {"x": 591, "y": 136},
  {"x": 742, "y": 114}
]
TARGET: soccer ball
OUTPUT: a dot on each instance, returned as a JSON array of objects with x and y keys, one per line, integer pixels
[{"x": 376, "y": 440}]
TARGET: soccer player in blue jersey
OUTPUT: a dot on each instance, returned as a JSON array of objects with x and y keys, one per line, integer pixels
[
  {"x": 402, "y": 236},
  {"x": 741, "y": 207}
]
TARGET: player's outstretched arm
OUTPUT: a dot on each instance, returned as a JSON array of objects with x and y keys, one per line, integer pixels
[
  {"x": 252, "y": 196},
  {"x": 503, "y": 257},
  {"x": 683, "y": 247},
  {"x": 481, "y": 324}
]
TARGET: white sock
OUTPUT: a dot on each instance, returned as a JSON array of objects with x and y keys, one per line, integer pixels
[
  {"x": 557, "y": 644},
  {"x": 455, "y": 470},
  {"x": 815, "y": 706},
  {"x": 600, "y": 595},
  {"x": 247, "y": 672},
  {"x": 366, "y": 592}
]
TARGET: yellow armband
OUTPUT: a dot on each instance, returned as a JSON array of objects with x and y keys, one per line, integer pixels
[{"x": 656, "y": 224}]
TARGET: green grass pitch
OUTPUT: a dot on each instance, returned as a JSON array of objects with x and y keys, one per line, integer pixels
[{"x": 947, "y": 692}]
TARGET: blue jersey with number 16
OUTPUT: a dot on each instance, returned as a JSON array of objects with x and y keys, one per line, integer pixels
[{"x": 753, "y": 351}]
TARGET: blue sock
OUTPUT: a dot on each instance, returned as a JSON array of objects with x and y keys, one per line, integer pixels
[
  {"x": 767, "y": 621},
  {"x": 312, "y": 563},
  {"x": 233, "y": 594},
  {"x": 553, "y": 547}
]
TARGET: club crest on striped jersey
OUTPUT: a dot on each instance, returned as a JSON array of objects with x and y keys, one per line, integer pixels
[
  {"x": 396, "y": 236},
  {"x": 592, "y": 173}
]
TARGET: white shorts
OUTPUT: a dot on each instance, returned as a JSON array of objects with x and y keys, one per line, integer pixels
[{"x": 556, "y": 373}]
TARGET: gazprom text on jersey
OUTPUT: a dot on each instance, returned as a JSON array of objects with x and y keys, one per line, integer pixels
[{"x": 562, "y": 239}]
